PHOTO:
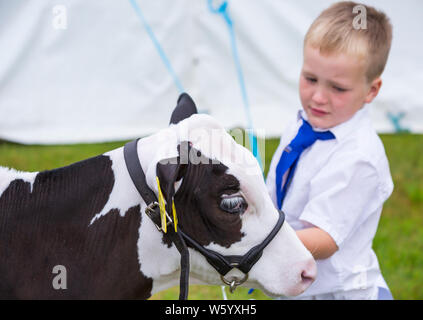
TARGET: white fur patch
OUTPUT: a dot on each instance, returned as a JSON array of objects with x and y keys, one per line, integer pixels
[
  {"x": 8, "y": 175},
  {"x": 124, "y": 195}
]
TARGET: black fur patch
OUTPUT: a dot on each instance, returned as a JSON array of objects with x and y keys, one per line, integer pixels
[
  {"x": 197, "y": 201},
  {"x": 51, "y": 226}
]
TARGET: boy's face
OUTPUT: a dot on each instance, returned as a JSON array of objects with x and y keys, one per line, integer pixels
[{"x": 334, "y": 87}]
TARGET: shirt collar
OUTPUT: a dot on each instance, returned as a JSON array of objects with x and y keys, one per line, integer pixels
[{"x": 341, "y": 130}]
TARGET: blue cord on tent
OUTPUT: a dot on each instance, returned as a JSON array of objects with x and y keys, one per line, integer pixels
[
  {"x": 223, "y": 11},
  {"x": 396, "y": 122},
  {"x": 158, "y": 46}
]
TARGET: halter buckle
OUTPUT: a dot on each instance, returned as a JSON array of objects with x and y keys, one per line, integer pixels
[{"x": 151, "y": 209}]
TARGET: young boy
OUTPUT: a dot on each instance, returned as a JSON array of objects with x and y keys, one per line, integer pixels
[{"x": 330, "y": 174}]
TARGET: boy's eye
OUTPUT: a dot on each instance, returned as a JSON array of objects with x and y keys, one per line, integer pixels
[
  {"x": 234, "y": 204},
  {"x": 339, "y": 89},
  {"x": 311, "y": 80}
]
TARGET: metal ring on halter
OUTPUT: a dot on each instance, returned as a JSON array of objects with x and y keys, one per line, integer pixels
[{"x": 234, "y": 282}]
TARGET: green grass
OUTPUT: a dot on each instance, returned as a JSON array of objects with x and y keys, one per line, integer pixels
[{"x": 398, "y": 242}]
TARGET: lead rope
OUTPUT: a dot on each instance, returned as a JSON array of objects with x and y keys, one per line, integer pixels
[{"x": 179, "y": 243}]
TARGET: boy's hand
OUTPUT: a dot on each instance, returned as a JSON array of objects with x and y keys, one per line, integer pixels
[{"x": 318, "y": 242}]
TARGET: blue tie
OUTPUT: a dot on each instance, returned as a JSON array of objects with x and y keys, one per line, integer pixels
[{"x": 306, "y": 136}]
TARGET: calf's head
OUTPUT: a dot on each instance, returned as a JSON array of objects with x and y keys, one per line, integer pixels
[{"x": 222, "y": 202}]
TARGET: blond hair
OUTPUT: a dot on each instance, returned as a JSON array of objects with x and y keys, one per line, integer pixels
[{"x": 336, "y": 31}]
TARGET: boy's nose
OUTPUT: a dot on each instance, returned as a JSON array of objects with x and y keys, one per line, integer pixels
[{"x": 319, "y": 97}]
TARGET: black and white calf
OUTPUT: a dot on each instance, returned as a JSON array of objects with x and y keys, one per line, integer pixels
[{"x": 89, "y": 218}]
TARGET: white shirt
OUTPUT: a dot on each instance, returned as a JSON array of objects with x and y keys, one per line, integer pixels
[{"x": 340, "y": 186}]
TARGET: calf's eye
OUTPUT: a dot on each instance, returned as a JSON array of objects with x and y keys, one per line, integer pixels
[{"x": 233, "y": 204}]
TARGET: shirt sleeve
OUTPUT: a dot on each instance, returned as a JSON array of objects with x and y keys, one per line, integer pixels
[{"x": 345, "y": 192}]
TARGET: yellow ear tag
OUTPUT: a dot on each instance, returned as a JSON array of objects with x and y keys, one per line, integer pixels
[
  {"x": 175, "y": 218},
  {"x": 162, "y": 207}
]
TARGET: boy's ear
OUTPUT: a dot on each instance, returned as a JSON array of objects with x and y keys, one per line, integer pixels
[{"x": 373, "y": 89}]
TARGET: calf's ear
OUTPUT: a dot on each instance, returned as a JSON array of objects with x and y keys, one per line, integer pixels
[
  {"x": 172, "y": 170},
  {"x": 184, "y": 109}
]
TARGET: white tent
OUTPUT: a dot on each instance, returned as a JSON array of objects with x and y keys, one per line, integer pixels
[{"x": 90, "y": 71}]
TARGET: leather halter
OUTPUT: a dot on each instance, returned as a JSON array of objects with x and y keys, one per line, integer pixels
[{"x": 222, "y": 264}]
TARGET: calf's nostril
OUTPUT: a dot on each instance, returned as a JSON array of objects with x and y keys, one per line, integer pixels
[
  {"x": 306, "y": 278},
  {"x": 308, "y": 275}
]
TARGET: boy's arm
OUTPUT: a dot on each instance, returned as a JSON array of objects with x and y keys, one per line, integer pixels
[{"x": 318, "y": 242}]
